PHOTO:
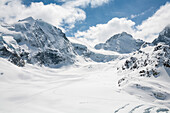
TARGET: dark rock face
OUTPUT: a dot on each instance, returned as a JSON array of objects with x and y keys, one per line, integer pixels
[
  {"x": 35, "y": 42},
  {"x": 12, "y": 57},
  {"x": 4, "y": 52},
  {"x": 48, "y": 57},
  {"x": 17, "y": 60},
  {"x": 163, "y": 37}
]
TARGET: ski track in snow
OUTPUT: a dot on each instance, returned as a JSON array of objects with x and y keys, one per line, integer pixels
[
  {"x": 121, "y": 108},
  {"x": 148, "y": 110},
  {"x": 132, "y": 111}
]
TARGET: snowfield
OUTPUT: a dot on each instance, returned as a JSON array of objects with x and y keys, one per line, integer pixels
[{"x": 87, "y": 88}]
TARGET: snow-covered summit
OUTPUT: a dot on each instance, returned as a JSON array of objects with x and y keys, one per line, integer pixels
[
  {"x": 122, "y": 43},
  {"x": 28, "y": 19},
  {"x": 164, "y": 36},
  {"x": 123, "y": 35},
  {"x": 39, "y": 41}
]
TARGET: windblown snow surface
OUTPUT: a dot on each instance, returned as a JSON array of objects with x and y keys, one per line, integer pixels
[{"x": 86, "y": 87}]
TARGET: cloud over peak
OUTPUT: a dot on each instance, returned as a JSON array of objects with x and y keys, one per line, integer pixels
[
  {"x": 101, "y": 32},
  {"x": 148, "y": 30}
]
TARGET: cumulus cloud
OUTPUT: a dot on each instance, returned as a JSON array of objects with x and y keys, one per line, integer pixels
[
  {"x": 66, "y": 14},
  {"x": 150, "y": 28},
  {"x": 101, "y": 32},
  {"x": 13, "y": 10}
]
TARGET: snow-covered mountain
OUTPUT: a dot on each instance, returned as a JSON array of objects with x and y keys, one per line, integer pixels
[
  {"x": 164, "y": 36},
  {"x": 148, "y": 61},
  {"x": 151, "y": 59},
  {"x": 36, "y": 42},
  {"x": 122, "y": 43},
  {"x": 146, "y": 73}
]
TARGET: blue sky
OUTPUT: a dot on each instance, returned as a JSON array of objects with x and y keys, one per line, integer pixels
[
  {"x": 120, "y": 8},
  {"x": 114, "y": 8},
  {"x": 93, "y": 21}
]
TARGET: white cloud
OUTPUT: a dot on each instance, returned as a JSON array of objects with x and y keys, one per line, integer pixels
[
  {"x": 101, "y": 32},
  {"x": 150, "y": 28},
  {"x": 140, "y": 14},
  {"x": 13, "y": 10},
  {"x": 68, "y": 13},
  {"x": 134, "y": 16},
  {"x": 84, "y": 3}
]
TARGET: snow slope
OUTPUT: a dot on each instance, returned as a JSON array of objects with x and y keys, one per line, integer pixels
[
  {"x": 89, "y": 88},
  {"x": 146, "y": 74}
]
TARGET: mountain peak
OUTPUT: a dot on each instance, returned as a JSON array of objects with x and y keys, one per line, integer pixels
[
  {"x": 122, "y": 43},
  {"x": 164, "y": 36},
  {"x": 124, "y": 33},
  {"x": 166, "y": 31},
  {"x": 28, "y": 19},
  {"x": 35, "y": 42}
]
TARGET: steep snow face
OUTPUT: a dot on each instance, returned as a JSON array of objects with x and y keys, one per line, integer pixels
[
  {"x": 122, "y": 43},
  {"x": 38, "y": 34},
  {"x": 36, "y": 42},
  {"x": 164, "y": 36},
  {"x": 147, "y": 72}
]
